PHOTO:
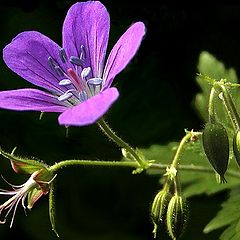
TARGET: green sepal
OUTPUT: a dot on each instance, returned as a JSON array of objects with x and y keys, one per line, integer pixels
[
  {"x": 159, "y": 209},
  {"x": 176, "y": 216},
  {"x": 43, "y": 178},
  {"x": 33, "y": 196},
  {"x": 23, "y": 165}
]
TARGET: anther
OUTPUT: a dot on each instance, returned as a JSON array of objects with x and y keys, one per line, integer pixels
[
  {"x": 75, "y": 60},
  {"x": 65, "y": 82},
  {"x": 63, "y": 55},
  {"x": 65, "y": 96},
  {"x": 95, "y": 81},
  {"x": 85, "y": 72}
]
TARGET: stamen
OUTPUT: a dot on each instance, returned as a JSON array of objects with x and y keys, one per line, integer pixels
[
  {"x": 95, "y": 81},
  {"x": 51, "y": 63},
  {"x": 65, "y": 96},
  {"x": 65, "y": 82},
  {"x": 85, "y": 72},
  {"x": 59, "y": 71},
  {"x": 83, "y": 53},
  {"x": 83, "y": 96},
  {"x": 75, "y": 60},
  {"x": 63, "y": 55}
]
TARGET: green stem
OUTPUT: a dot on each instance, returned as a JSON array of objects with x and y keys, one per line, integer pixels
[
  {"x": 211, "y": 111},
  {"x": 113, "y": 136},
  {"x": 67, "y": 163},
  {"x": 230, "y": 107},
  {"x": 180, "y": 149}
]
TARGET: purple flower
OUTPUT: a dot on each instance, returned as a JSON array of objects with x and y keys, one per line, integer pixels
[{"x": 77, "y": 77}]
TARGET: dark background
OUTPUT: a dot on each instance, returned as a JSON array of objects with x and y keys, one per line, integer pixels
[{"x": 154, "y": 107}]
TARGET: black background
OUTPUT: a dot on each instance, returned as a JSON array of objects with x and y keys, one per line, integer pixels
[{"x": 155, "y": 105}]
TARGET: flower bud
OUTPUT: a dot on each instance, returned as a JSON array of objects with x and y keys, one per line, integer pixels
[
  {"x": 176, "y": 216},
  {"x": 236, "y": 147},
  {"x": 159, "y": 206},
  {"x": 159, "y": 209},
  {"x": 216, "y": 147}
]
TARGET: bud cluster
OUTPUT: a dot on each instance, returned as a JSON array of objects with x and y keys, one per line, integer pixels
[{"x": 169, "y": 208}]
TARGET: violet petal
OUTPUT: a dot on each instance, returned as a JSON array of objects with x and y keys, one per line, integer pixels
[
  {"x": 87, "y": 24},
  {"x": 30, "y": 99},
  {"x": 122, "y": 52},
  {"x": 27, "y": 55},
  {"x": 91, "y": 110}
]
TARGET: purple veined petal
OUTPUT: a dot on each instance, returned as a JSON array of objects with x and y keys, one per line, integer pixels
[
  {"x": 27, "y": 55},
  {"x": 87, "y": 24},
  {"x": 91, "y": 110},
  {"x": 122, "y": 52},
  {"x": 29, "y": 99}
]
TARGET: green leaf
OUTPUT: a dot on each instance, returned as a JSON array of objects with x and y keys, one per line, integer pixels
[
  {"x": 210, "y": 66},
  {"x": 232, "y": 232},
  {"x": 23, "y": 165},
  {"x": 192, "y": 182},
  {"x": 227, "y": 215}
]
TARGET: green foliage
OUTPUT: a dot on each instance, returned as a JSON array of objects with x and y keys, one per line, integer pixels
[
  {"x": 193, "y": 182},
  {"x": 208, "y": 65},
  {"x": 203, "y": 182},
  {"x": 228, "y": 216}
]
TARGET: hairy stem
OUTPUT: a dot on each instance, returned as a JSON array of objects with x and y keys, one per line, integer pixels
[
  {"x": 57, "y": 166},
  {"x": 113, "y": 136}
]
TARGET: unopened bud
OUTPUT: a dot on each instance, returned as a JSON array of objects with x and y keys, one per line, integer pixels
[
  {"x": 159, "y": 209},
  {"x": 216, "y": 147},
  {"x": 176, "y": 216}
]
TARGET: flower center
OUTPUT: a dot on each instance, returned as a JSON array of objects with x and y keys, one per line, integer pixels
[{"x": 78, "y": 80}]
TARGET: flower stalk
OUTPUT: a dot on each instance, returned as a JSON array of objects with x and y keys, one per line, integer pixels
[
  {"x": 113, "y": 136},
  {"x": 189, "y": 168}
]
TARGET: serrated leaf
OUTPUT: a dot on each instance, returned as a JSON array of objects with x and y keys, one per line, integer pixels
[
  {"x": 228, "y": 214},
  {"x": 232, "y": 232},
  {"x": 192, "y": 182},
  {"x": 210, "y": 66}
]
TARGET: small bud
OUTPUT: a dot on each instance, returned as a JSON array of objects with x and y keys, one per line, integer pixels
[
  {"x": 159, "y": 209},
  {"x": 176, "y": 216},
  {"x": 216, "y": 147},
  {"x": 236, "y": 147}
]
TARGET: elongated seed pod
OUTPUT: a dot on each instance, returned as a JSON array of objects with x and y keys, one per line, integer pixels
[
  {"x": 216, "y": 147},
  {"x": 236, "y": 147}
]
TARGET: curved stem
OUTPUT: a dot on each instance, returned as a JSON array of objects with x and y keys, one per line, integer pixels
[
  {"x": 57, "y": 166},
  {"x": 180, "y": 149},
  {"x": 113, "y": 136},
  {"x": 230, "y": 107}
]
